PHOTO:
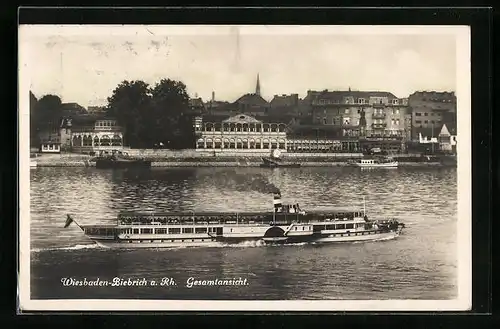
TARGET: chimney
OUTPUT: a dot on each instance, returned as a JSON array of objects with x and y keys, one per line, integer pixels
[
  {"x": 213, "y": 96},
  {"x": 277, "y": 202}
]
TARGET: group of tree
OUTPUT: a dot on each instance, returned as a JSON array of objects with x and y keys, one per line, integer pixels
[
  {"x": 45, "y": 113},
  {"x": 153, "y": 116}
]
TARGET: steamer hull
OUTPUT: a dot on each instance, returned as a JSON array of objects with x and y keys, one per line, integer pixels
[{"x": 288, "y": 224}]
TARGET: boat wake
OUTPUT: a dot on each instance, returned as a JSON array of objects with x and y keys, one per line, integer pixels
[{"x": 75, "y": 247}]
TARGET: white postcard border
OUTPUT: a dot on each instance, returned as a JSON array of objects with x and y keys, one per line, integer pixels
[{"x": 464, "y": 222}]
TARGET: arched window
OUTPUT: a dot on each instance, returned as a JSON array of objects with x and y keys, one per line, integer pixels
[
  {"x": 96, "y": 141},
  {"x": 209, "y": 126},
  {"x": 265, "y": 144},
  {"x": 225, "y": 127},
  {"x": 232, "y": 144},
  {"x": 274, "y": 144},
  {"x": 210, "y": 143},
  {"x": 245, "y": 143},
  {"x": 258, "y": 144},
  {"x": 239, "y": 127},
  {"x": 274, "y": 127},
  {"x": 281, "y": 144},
  {"x": 239, "y": 143},
  {"x": 116, "y": 141},
  {"x": 200, "y": 143},
  {"x": 105, "y": 141},
  {"x": 218, "y": 126},
  {"x": 258, "y": 127},
  {"x": 252, "y": 143},
  {"x": 266, "y": 127},
  {"x": 246, "y": 127},
  {"x": 218, "y": 143},
  {"x": 87, "y": 140}
]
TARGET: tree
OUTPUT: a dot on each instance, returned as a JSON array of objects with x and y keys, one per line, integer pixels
[
  {"x": 170, "y": 115},
  {"x": 129, "y": 104},
  {"x": 33, "y": 123},
  {"x": 153, "y": 116},
  {"x": 46, "y": 114}
]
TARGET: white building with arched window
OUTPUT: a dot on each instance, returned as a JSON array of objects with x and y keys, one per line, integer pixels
[
  {"x": 91, "y": 134},
  {"x": 241, "y": 133}
]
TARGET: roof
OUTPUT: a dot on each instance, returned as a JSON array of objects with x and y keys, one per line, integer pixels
[
  {"x": 285, "y": 100},
  {"x": 339, "y": 95},
  {"x": 252, "y": 99},
  {"x": 198, "y": 102},
  {"x": 434, "y": 95},
  {"x": 241, "y": 118},
  {"x": 261, "y": 118},
  {"x": 72, "y": 109},
  {"x": 86, "y": 119}
]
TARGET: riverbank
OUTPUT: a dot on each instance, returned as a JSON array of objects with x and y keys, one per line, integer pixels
[
  {"x": 185, "y": 164},
  {"x": 305, "y": 160}
]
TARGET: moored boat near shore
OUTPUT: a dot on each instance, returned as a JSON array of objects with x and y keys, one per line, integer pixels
[
  {"x": 118, "y": 160},
  {"x": 285, "y": 225},
  {"x": 275, "y": 161},
  {"x": 377, "y": 162}
]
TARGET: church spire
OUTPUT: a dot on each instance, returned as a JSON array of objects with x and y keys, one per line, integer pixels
[{"x": 257, "y": 87}]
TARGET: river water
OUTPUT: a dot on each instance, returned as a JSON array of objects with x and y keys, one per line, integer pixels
[{"x": 420, "y": 264}]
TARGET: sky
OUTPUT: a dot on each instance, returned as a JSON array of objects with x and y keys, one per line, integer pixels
[{"x": 84, "y": 64}]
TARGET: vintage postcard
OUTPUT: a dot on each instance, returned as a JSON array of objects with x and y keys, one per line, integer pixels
[{"x": 244, "y": 168}]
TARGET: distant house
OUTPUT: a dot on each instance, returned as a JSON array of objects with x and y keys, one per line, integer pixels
[
  {"x": 285, "y": 105},
  {"x": 252, "y": 104},
  {"x": 96, "y": 109},
  {"x": 447, "y": 140}
]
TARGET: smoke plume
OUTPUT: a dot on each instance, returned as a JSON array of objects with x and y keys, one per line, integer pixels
[{"x": 241, "y": 182}]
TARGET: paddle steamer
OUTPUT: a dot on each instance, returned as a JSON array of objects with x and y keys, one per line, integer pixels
[{"x": 286, "y": 224}]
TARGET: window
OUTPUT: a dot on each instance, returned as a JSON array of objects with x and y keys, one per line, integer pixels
[
  {"x": 201, "y": 230},
  {"x": 426, "y": 121},
  {"x": 147, "y": 231},
  {"x": 426, "y": 114},
  {"x": 324, "y": 121},
  {"x": 346, "y": 111},
  {"x": 418, "y": 114},
  {"x": 174, "y": 230},
  {"x": 418, "y": 121}
]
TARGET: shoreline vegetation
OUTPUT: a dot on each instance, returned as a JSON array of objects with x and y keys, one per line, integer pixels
[{"x": 247, "y": 160}]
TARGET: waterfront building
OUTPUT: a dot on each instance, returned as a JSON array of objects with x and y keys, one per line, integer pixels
[
  {"x": 430, "y": 110},
  {"x": 447, "y": 140},
  {"x": 378, "y": 119},
  {"x": 241, "y": 132},
  {"x": 50, "y": 141},
  {"x": 94, "y": 133},
  {"x": 319, "y": 138}
]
